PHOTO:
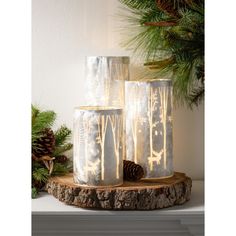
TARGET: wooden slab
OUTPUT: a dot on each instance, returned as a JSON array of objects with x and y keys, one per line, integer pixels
[{"x": 140, "y": 195}]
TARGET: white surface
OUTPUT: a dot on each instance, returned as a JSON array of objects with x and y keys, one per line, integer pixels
[
  {"x": 63, "y": 33},
  {"x": 47, "y": 204}
]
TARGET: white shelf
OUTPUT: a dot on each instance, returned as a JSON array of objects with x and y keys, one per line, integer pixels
[{"x": 52, "y": 217}]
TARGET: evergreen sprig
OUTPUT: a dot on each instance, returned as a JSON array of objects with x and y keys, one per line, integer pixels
[
  {"x": 34, "y": 192},
  {"x": 169, "y": 36},
  {"x": 62, "y": 148},
  {"x": 42, "y": 120},
  {"x": 61, "y": 135},
  {"x": 59, "y": 169},
  {"x": 40, "y": 174}
]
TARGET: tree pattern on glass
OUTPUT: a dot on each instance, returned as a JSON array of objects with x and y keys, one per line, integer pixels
[
  {"x": 102, "y": 127},
  {"x": 116, "y": 126},
  {"x": 105, "y": 78},
  {"x": 149, "y": 126},
  {"x": 134, "y": 125},
  {"x": 163, "y": 91},
  {"x": 155, "y": 156},
  {"x": 99, "y": 158}
]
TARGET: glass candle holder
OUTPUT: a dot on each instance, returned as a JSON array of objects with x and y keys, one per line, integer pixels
[
  {"x": 105, "y": 80},
  {"x": 98, "y": 137},
  {"x": 149, "y": 126}
]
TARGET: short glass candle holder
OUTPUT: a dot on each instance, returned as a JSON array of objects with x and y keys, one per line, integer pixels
[
  {"x": 98, "y": 144},
  {"x": 149, "y": 126}
]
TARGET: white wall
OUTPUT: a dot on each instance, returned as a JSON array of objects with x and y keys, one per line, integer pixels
[{"x": 63, "y": 33}]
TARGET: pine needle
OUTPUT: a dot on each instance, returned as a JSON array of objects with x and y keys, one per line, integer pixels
[
  {"x": 43, "y": 120},
  {"x": 63, "y": 148},
  {"x": 59, "y": 169},
  {"x": 40, "y": 174},
  {"x": 61, "y": 135},
  {"x": 41, "y": 168},
  {"x": 161, "y": 30}
]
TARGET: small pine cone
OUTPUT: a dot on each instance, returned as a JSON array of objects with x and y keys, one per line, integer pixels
[
  {"x": 45, "y": 145},
  {"x": 62, "y": 159},
  {"x": 132, "y": 171}
]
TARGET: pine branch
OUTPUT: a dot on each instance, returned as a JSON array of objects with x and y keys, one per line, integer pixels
[
  {"x": 42, "y": 121},
  {"x": 196, "y": 96},
  {"x": 160, "y": 64},
  {"x": 34, "y": 192},
  {"x": 61, "y": 135},
  {"x": 139, "y": 5},
  {"x": 161, "y": 23},
  {"x": 45, "y": 166},
  {"x": 40, "y": 174},
  {"x": 175, "y": 47},
  {"x": 35, "y": 111},
  {"x": 61, "y": 149},
  {"x": 36, "y": 164},
  {"x": 59, "y": 169}
]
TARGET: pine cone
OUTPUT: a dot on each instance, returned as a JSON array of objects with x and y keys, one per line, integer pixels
[
  {"x": 132, "y": 171},
  {"x": 45, "y": 145},
  {"x": 62, "y": 159}
]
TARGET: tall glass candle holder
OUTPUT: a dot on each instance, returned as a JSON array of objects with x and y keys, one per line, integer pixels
[
  {"x": 149, "y": 126},
  {"x": 105, "y": 80},
  {"x": 98, "y": 137}
]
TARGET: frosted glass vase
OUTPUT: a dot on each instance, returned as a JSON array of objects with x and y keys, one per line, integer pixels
[
  {"x": 149, "y": 126},
  {"x": 98, "y": 137},
  {"x": 105, "y": 80}
]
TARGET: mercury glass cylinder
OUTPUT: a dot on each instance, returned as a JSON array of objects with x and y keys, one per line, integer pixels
[
  {"x": 98, "y": 136},
  {"x": 105, "y": 80},
  {"x": 149, "y": 126}
]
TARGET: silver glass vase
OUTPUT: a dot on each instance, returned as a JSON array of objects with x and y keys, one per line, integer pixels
[
  {"x": 105, "y": 80},
  {"x": 98, "y": 143},
  {"x": 149, "y": 126}
]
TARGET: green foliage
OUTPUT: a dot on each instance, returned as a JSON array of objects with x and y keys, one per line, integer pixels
[
  {"x": 139, "y": 5},
  {"x": 40, "y": 173},
  {"x": 61, "y": 135},
  {"x": 35, "y": 112},
  {"x": 59, "y": 169},
  {"x": 43, "y": 120},
  {"x": 62, "y": 148},
  {"x": 34, "y": 192},
  {"x": 175, "y": 51},
  {"x": 40, "y": 121}
]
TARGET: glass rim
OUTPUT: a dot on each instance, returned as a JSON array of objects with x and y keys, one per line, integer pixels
[
  {"x": 114, "y": 59},
  {"x": 149, "y": 81},
  {"x": 98, "y": 108}
]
